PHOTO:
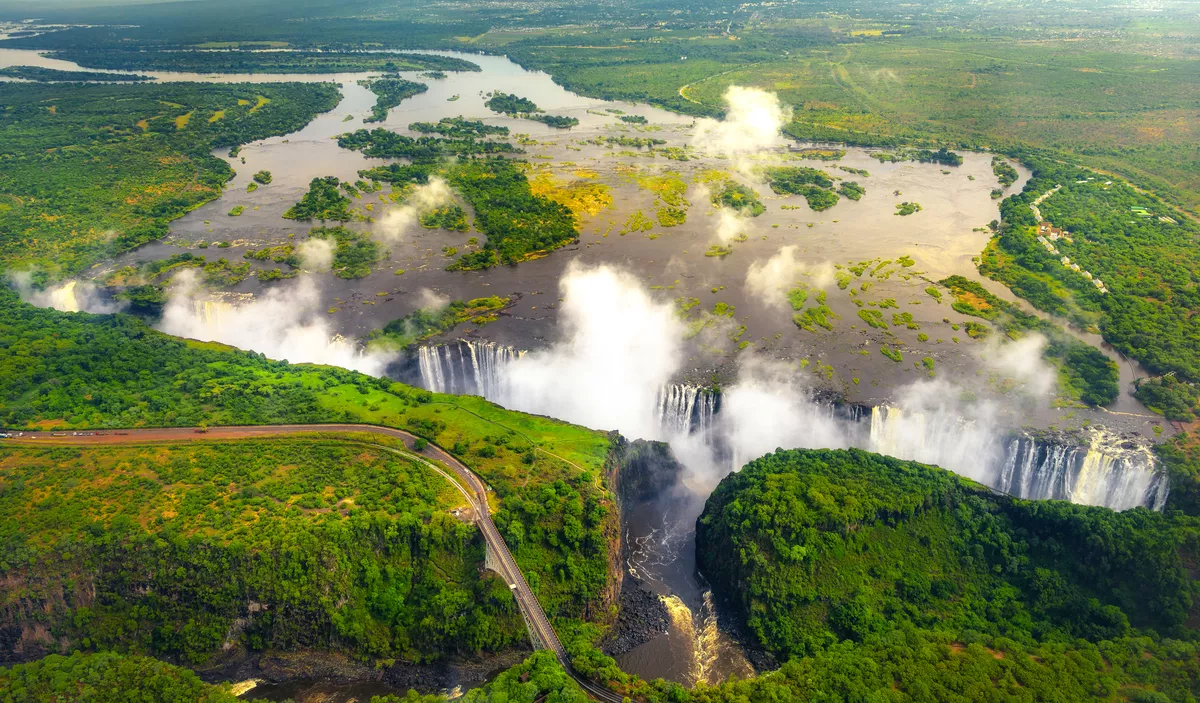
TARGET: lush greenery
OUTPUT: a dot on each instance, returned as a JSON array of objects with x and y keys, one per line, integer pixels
[
  {"x": 1084, "y": 371},
  {"x": 423, "y": 324},
  {"x": 383, "y": 143},
  {"x": 1169, "y": 397},
  {"x": 459, "y": 128},
  {"x": 509, "y": 104},
  {"x": 41, "y": 74},
  {"x": 739, "y": 197},
  {"x": 1142, "y": 251},
  {"x": 851, "y": 190},
  {"x": 93, "y": 170},
  {"x": 323, "y": 201},
  {"x": 814, "y": 184},
  {"x": 881, "y": 579},
  {"x": 815, "y": 547},
  {"x": 389, "y": 92},
  {"x": 450, "y": 217},
  {"x": 519, "y": 225},
  {"x": 556, "y": 121},
  {"x": 185, "y": 540},
  {"x": 75, "y": 370},
  {"x": 103, "y": 677},
  {"x": 898, "y": 581},
  {"x": 1005, "y": 173},
  {"x": 354, "y": 252}
]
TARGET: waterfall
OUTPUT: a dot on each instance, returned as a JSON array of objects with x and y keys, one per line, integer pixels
[
  {"x": 1106, "y": 472},
  {"x": 685, "y": 409},
  {"x": 1101, "y": 470},
  {"x": 466, "y": 367}
]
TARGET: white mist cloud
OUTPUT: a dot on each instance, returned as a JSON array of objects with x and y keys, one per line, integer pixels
[
  {"x": 399, "y": 220},
  {"x": 732, "y": 225},
  {"x": 928, "y": 423},
  {"x": 70, "y": 296},
  {"x": 751, "y": 124},
  {"x": 769, "y": 408},
  {"x": 1022, "y": 361},
  {"x": 432, "y": 301},
  {"x": 316, "y": 254},
  {"x": 618, "y": 347},
  {"x": 285, "y": 323},
  {"x": 770, "y": 280}
]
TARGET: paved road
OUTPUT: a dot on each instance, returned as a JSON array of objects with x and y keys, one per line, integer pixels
[{"x": 465, "y": 480}]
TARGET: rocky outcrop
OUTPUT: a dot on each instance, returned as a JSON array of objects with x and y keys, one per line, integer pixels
[{"x": 642, "y": 617}]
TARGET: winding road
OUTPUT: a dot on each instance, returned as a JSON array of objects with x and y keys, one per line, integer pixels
[{"x": 466, "y": 481}]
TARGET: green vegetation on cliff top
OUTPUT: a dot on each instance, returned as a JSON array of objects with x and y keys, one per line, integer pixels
[{"x": 64, "y": 370}]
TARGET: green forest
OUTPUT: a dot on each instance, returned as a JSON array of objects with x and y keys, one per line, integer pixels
[
  {"x": 83, "y": 163},
  {"x": 74, "y": 370},
  {"x": 174, "y": 542},
  {"x": 519, "y": 225},
  {"x": 259, "y": 62},
  {"x": 41, "y": 74},
  {"x": 104, "y": 677},
  {"x": 108, "y": 676},
  {"x": 1146, "y": 259},
  {"x": 511, "y": 105},
  {"x": 380, "y": 142},
  {"x": 354, "y": 253},
  {"x": 323, "y": 201},
  {"x": 814, "y": 184},
  {"x": 459, "y": 128}
]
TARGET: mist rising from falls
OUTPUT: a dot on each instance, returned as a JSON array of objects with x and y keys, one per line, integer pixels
[
  {"x": 948, "y": 440},
  {"x": 714, "y": 433}
]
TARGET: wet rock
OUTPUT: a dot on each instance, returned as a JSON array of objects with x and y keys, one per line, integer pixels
[{"x": 641, "y": 618}]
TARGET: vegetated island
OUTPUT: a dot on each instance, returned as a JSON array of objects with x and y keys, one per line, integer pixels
[
  {"x": 259, "y": 61},
  {"x": 46, "y": 75},
  {"x": 389, "y": 92},
  {"x": 524, "y": 108},
  {"x": 814, "y": 184}
]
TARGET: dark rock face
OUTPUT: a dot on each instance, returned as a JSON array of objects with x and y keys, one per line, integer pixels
[
  {"x": 647, "y": 469},
  {"x": 642, "y": 617}
]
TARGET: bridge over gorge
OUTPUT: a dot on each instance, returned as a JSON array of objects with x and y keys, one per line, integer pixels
[{"x": 498, "y": 560}]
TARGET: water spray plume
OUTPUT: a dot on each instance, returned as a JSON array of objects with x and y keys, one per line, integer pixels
[{"x": 285, "y": 323}]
